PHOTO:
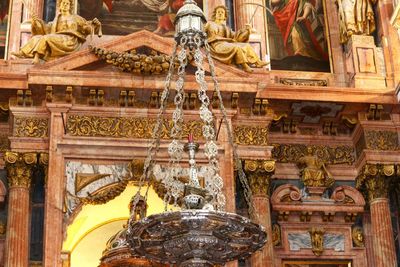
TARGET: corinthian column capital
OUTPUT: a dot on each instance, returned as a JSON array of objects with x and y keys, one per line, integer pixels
[
  {"x": 20, "y": 168},
  {"x": 259, "y": 174}
]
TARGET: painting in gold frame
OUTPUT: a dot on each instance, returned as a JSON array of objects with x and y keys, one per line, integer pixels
[{"x": 323, "y": 263}]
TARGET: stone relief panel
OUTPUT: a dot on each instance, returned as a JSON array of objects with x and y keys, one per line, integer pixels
[{"x": 299, "y": 241}]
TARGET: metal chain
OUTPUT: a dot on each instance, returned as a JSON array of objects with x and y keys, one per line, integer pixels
[
  {"x": 215, "y": 182},
  {"x": 155, "y": 141},
  {"x": 242, "y": 176}
]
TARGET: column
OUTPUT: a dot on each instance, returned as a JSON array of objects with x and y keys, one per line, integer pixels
[
  {"x": 244, "y": 11},
  {"x": 376, "y": 183},
  {"x": 19, "y": 174},
  {"x": 259, "y": 174},
  {"x": 53, "y": 206}
]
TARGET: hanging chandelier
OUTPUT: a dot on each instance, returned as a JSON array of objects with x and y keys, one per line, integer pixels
[{"x": 201, "y": 233}]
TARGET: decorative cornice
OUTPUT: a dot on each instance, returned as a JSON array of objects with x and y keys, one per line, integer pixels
[
  {"x": 381, "y": 140},
  {"x": 330, "y": 155},
  {"x": 259, "y": 173},
  {"x": 374, "y": 179},
  {"x": 20, "y": 168},
  {"x": 251, "y": 135},
  {"x": 31, "y": 127},
  {"x": 124, "y": 127}
]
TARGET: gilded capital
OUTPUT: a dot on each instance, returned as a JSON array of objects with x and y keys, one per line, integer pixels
[
  {"x": 20, "y": 168},
  {"x": 374, "y": 180},
  {"x": 259, "y": 174}
]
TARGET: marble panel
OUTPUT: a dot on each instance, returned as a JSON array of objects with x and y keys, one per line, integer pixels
[{"x": 299, "y": 241}]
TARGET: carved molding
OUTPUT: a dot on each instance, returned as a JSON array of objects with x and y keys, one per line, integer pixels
[
  {"x": 330, "y": 155},
  {"x": 251, "y": 135},
  {"x": 303, "y": 82},
  {"x": 381, "y": 140},
  {"x": 374, "y": 180},
  {"x": 31, "y": 127},
  {"x": 259, "y": 173},
  {"x": 20, "y": 168},
  {"x": 122, "y": 127}
]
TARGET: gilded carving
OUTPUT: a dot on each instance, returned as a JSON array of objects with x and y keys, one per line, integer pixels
[
  {"x": 3, "y": 228},
  {"x": 317, "y": 240},
  {"x": 382, "y": 140},
  {"x": 357, "y": 236},
  {"x": 31, "y": 127},
  {"x": 329, "y": 155},
  {"x": 374, "y": 180},
  {"x": 132, "y": 61},
  {"x": 84, "y": 179},
  {"x": 259, "y": 173},
  {"x": 313, "y": 170},
  {"x": 4, "y": 143},
  {"x": 276, "y": 234},
  {"x": 303, "y": 82},
  {"x": 251, "y": 135},
  {"x": 120, "y": 127},
  {"x": 20, "y": 168},
  {"x": 104, "y": 195}
]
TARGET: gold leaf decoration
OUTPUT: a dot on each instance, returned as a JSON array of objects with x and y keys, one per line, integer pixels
[
  {"x": 106, "y": 194},
  {"x": 382, "y": 140},
  {"x": 31, "y": 127},
  {"x": 251, "y": 135},
  {"x": 124, "y": 127}
]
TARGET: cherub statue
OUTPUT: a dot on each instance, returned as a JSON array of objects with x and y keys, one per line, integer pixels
[
  {"x": 313, "y": 171},
  {"x": 59, "y": 38},
  {"x": 230, "y": 47},
  {"x": 358, "y": 237}
]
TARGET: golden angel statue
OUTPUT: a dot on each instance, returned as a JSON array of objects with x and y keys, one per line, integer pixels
[
  {"x": 59, "y": 38},
  {"x": 230, "y": 47}
]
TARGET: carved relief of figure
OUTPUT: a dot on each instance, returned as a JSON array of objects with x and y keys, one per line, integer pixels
[
  {"x": 313, "y": 171},
  {"x": 61, "y": 37},
  {"x": 230, "y": 47},
  {"x": 317, "y": 240},
  {"x": 358, "y": 237},
  {"x": 300, "y": 27},
  {"x": 356, "y": 17}
]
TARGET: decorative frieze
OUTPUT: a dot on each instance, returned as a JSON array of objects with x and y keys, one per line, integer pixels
[
  {"x": 124, "y": 127},
  {"x": 329, "y": 155},
  {"x": 251, "y": 135},
  {"x": 303, "y": 82},
  {"x": 20, "y": 168},
  {"x": 259, "y": 173},
  {"x": 31, "y": 127},
  {"x": 382, "y": 140}
]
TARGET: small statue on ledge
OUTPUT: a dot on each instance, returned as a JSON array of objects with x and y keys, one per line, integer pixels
[
  {"x": 230, "y": 47},
  {"x": 313, "y": 171},
  {"x": 317, "y": 240},
  {"x": 59, "y": 38}
]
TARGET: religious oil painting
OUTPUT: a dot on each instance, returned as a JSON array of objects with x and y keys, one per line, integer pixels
[
  {"x": 326, "y": 263},
  {"x": 4, "y": 4},
  {"x": 297, "y": 35},
  {"x": 121, "y": 17}
]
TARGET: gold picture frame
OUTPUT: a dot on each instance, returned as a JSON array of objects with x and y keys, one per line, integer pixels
[{"x": 318, "y": 263}]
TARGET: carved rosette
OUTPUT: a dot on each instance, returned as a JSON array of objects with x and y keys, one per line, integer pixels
[
  {"x": 31, "y": 127},
  {"x": 20, "y": 168},
  {"x": 382, "y": 140},
  {"x": 374, "y": 180},
  {"x": 259, "y": 173},
  {"x": 251, "y": 135}
]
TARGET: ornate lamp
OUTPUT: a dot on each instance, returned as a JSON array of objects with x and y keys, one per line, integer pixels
[{"x": 201, "y": 233}]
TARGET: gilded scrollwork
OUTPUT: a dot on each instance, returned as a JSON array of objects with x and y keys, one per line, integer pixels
[
  {"x": 374, "y": 180},
  {"x": 382, "y": 140},
  {"x": 106, "y": 194},
  {"x": 259, "y": 173},
  {"x": 329, "y": 155},
  {"x": 20, "y": 168},
  {"x": 303, "y": 82},
  {"x": 31, "y": 127},
  {"x": 250, "y": 135},
  {"x": 119, "y": 127}
]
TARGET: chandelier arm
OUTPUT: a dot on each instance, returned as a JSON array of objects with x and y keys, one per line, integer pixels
[
  {"x": 242, "y": 176},
  {"x": 210, "y": 147},
  {"x": 155, "y": 142}
]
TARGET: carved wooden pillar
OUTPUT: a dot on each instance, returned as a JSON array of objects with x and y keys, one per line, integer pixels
[
  {"x": 19, "y": 174},
  {"x": 374, "y": 179},
  {"x": 259, "y": 174}
]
